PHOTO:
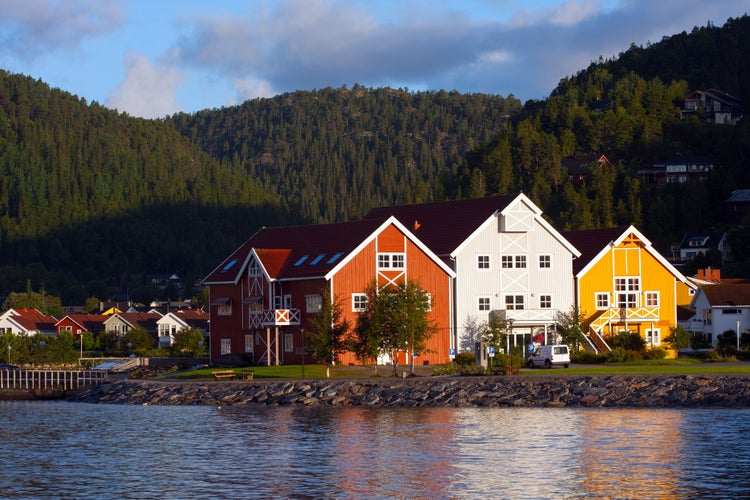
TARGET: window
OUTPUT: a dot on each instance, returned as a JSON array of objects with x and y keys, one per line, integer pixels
[
  {"x": 627, "y": 292},
  {"x": 226, "y": 346},
  {"x": 359, "y": 302},
  {"x": 428, "y": 299},
  {"x": 602, "y": 300},
  {"x": 225, "y": 309},
  {"x": 514, "y": 302},
  {"x": 277, "y": 302},
  {"x": 513, "y": 261},
  {"x": 314, "y": 303},
  {"x": 651, "y": 299},
  {"x": 653, "y": 338},
  {"x": 545, "y": 301},
  {"x": 483, "y": 261},
  {"x": 301, "y": 260},
  {"x": 253, "y": 269},
  {"x": 545, "y": 262},
  {"x": 229, "y": 265},
  {"x": 731, "y": 311},
  {"x": 483, "y": 303},
  {"x": 249, "y": 343},
  {"x": 288, "y": 301},
  {"x": 317, "y": 259},
  {"x": 391, "y": 260}
]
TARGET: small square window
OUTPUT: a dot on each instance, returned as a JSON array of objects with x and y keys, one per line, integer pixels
[
  {"x": 359, "y": 302},
  {"x": 545, "y": 301},
  {"x": 483, "y": 304},
  {"x": 483, "y": 261},
  {"x": 314, "y": 302},
  {"x": 545, "y": 261}
]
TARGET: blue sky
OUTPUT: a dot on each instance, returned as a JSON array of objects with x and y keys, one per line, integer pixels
[{"x": 152, "y": 58}]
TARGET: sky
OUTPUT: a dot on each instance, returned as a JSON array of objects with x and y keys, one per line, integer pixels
[{"x": 153, "y": 58}]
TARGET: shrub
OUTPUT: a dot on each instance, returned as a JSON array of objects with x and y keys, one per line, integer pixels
[
  {"x": 588, "y": 358},
  {"x": 655, "y": 353},
  {"x": 622, "y": 355},
  {"x": 628, "y": 340},
  {"x": 465, "y": 359}
]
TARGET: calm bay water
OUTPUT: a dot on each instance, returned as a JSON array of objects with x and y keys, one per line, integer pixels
[{"x": 68, "y": 450}]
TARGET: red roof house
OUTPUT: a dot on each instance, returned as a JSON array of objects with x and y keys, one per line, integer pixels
[{"x": 264, "y": 294}]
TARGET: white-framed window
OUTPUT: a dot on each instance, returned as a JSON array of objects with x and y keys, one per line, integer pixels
[
  {"x": 253, "y": 269},
  {"x": 626, "y": 290},
  {"x": 314, "y": 302},
  {"x": 545, "y": 301},
  {"x": 483, "y": 303},
  {"x": 514, "y": 302},
  {"x": 277, "y": 302},
  {"x": 288, "y": 301},
  {"x": 653, "y": 337},
  {"x": 651, "y": 299},
  {"x": 226, "y": 346},
  {"x": 359, "y": 302},
  {"x": 483, "y": 261},
  {"x": 545, "y": 261},
  {"x": 249, "y": 343},
  {"x": 391, "y": 260},
  {"x": 602, "y": 300},
  {"x": 428, "y": 299},
  {"x": 513, "y": 261},
  {"x": 225, "y": 309}
]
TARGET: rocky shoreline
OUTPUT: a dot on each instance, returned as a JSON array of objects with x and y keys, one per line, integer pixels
[{"x": 634, "y": 391}]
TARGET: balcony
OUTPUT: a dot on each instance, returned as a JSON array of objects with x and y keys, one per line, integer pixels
[
  {"x": 275, "y": 317},
  {"x": 526, "y": 317}
]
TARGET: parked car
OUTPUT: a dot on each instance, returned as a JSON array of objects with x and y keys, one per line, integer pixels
[
  {"x": 4, "y": 366},
  {"x": 549, "y": 356}
]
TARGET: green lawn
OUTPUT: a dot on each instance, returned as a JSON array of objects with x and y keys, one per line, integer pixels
[{"x": 670, "y": 366}]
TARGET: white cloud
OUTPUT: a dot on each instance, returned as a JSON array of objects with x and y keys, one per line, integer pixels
[
  {"x": 148, "y": 91},
  {"x": 251, "y": 88}
]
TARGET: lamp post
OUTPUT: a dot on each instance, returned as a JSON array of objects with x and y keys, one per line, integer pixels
[
  {"x": 510, "y": 351},
  {"x": 42, "y": 344},
  {"x": 130, "y": 346},
  {"x": 9, "y": 349},
  {"x": 738, "y": 336}
]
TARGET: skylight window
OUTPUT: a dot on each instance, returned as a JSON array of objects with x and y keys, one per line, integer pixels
[
  {"x": 301, "y": 260},
  {"x": 229, "y": 265},
  {"x": 317, "y": 259},
  {"x": 335, "y": 257}
]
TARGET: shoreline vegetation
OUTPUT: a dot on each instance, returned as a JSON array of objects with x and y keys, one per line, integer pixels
[{"x": 709, "y": 385}]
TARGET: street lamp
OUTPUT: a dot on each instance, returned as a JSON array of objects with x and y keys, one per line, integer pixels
[
  {"x": 738, "y": 336},
  {"x": 9, "y": 349},
  {"x": 42, "y": 344},
  {"x": 130, "y": 345}
]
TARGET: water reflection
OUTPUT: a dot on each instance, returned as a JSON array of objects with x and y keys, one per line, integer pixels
[{"x": 74, "y": 450}]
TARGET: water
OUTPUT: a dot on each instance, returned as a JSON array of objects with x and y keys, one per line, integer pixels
[{"x": 68, "y": 450}]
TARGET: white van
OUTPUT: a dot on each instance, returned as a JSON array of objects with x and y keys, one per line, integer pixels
[{"x": 549, "y": 355}]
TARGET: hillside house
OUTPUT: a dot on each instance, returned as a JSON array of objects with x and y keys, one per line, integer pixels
[
  {"x": 578, "y": 167},
  {"x": 623, "y": 284},
  {"x": 718, "y": 308},
  {"x": 263, "y": 295},
  {"x": 122, "y": 322},
  {"x": 695, "y": 244},
  {"x": 679, "y": 169},
  {"x": 713, "y": 106},
  {"x": 738, "y": 205},
  {"x": 508, "y": 260}
]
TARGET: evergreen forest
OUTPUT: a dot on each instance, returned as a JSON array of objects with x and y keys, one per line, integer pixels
[{"x": 92, "y": 201}]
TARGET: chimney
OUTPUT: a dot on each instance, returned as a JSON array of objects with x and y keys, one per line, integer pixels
[
  {"x": 717, "y": 275},
  {"x": 700, "y": 274},
  {"x": 417, "y": 225}
]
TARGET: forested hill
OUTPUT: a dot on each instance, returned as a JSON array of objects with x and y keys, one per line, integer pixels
[
  {"x": 333, "y": 154},
  {"x": 90, "y": 197}
]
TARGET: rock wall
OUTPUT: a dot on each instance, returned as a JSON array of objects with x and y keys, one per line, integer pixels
[{"x": 552, "y": 391}]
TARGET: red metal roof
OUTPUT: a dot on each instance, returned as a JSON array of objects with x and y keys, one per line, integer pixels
[
  {"x": 444, "y": 225},
  {"x": 297, "y": 251},
  {"x": 737, "y": 294},
  {"x": 590, "y": 242}
]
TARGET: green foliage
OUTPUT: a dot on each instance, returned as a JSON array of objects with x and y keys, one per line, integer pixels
[
  {"x": 57, "y": 349},
  {"x": 465, "y": 359},
  {"x": 621, "y": 355},
  {"x": 570, "y": 327},
  {"x": 588, "y": 358},
  {"x": 495, "y": 332},
  {"x": 678, "y": 338},
  {"x": 189, "y": 341},
  {"x": 140, "y": 341},
  {"x": 628, "y": 340},
  {"x": 328, "y": 333},
  {"x": 395, "y": 320},
  {"x": 655, "y": 353},
  {"x": 46, "y": 304}
]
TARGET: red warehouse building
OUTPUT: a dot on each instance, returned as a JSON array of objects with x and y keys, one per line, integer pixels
[{"x": 264, "y": 294}]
